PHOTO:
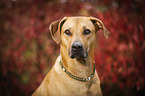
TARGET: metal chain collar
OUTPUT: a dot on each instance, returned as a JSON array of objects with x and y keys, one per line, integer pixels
[{"x": 85, "y": 79}]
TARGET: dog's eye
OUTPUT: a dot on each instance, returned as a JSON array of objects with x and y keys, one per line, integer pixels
[
  {"x": 67, "y": 32},
  {"x": 86, "y": 32}
]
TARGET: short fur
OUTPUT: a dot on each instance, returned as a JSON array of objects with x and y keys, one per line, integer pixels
[{"x": 57, "y": 82}]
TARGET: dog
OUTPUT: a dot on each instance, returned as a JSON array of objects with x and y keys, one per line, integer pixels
[{"x": 73, "y": 73}]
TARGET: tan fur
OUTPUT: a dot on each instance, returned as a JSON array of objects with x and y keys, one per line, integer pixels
[{"x": 57, "y": 82}]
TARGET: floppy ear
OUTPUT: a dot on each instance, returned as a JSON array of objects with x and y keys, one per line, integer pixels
[
  {"x": 99, "y": 25},
  {"x": 55, "y": 29}
]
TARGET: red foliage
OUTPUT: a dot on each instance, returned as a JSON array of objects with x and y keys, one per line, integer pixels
[{"x": 28, "y": 52}]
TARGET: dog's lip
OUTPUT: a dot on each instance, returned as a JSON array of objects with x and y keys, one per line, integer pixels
[{"x": 77, "y": 55}]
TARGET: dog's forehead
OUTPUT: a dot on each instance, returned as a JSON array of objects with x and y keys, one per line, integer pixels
[
  {"x": 78, "y": 21},
  {"x": 79, "y": 18}
]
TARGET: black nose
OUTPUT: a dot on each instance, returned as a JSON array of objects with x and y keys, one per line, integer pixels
[{"x": 77, "y": 46}]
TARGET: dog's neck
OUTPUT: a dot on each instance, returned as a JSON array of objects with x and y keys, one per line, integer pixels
[{"x": 81, "y": 67}]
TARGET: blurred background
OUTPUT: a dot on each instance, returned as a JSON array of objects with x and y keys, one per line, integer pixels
[{"x": 27, "y": 51}]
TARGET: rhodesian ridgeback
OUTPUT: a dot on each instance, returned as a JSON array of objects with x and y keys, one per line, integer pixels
[{"x": 73, "y": 73}]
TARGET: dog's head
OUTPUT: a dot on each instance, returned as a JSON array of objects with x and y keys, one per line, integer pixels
[{"x": 77, "y": 34}]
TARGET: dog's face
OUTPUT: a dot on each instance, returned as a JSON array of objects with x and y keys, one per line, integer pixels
[{"x": 77, "y": 34}]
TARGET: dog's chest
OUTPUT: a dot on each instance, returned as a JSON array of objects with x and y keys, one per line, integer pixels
[{"x": 66, "y": 86}]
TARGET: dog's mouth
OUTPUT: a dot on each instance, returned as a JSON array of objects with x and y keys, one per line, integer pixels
[
  {"x": 77, "y": 54},
  {"x": 77, "y": 51}
]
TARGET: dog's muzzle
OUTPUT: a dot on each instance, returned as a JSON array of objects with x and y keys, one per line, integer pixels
[{"x": 77, "y": 51}]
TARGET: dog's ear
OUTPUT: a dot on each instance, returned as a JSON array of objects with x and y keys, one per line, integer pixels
[
  {"x": 55, "y": 29},
  {"x": 99, "y": 25}
]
